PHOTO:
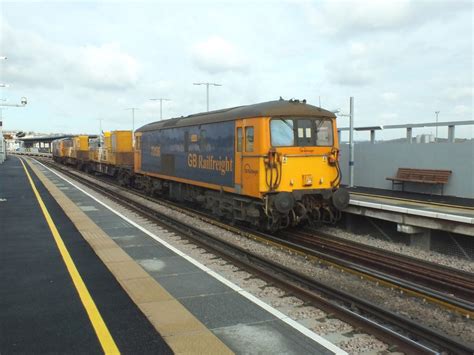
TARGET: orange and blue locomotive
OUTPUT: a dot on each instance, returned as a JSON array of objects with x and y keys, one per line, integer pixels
[{"x": 273, "y": 164}]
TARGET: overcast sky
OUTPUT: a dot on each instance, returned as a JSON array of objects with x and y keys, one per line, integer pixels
[{"x": 78, "y": 61}]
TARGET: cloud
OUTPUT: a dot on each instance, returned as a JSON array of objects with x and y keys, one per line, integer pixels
[
  {"x": 462, "y": 110},
  {"x": 460, "y": 92},
  {"x": 360, "y": 16},
  {"x": 103, "y": 67},
  {"x": 37, "y": 62},
  {"x": 389, "y": 96},
  {"x": 351, "y": 66},
  {"x": 216, "y": 55}
]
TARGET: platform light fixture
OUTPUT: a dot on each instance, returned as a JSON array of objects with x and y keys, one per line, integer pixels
[
  {"x": 133, "y": 116},
  {"x": 207, "y": 91},
  {"x": 161, "y": 105}
]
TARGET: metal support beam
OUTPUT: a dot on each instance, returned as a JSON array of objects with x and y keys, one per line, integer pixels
[
  {"x": 451, "y": 132},
  {"x": 372, "y": 136},
  {"x": 409, "y": 135}
]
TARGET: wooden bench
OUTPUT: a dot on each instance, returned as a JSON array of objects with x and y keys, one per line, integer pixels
[{"x": 422, "y": 176}]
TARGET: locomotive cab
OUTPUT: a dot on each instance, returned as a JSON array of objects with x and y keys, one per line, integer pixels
[{"x": 291, "y": 163}]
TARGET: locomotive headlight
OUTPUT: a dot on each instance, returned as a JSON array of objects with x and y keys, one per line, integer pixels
[{"x": 307, "y": 180}]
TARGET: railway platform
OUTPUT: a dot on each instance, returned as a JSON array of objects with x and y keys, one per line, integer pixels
[
  {"x": 415, "y": 214},
  {"x": 79, "y": 277}
]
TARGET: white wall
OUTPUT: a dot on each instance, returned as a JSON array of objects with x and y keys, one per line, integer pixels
[{"x": 375, "y": 162}]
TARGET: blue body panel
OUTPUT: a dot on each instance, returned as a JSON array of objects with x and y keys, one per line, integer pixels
[{"x": 202, "y": 153}]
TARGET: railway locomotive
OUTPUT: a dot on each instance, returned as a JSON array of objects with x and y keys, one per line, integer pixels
[{"x": 273, "y": 164}]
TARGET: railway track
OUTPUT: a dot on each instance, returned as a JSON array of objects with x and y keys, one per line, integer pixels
[
  {"x": 407, "y": 335},
  {"x": 443, "y": 284}
]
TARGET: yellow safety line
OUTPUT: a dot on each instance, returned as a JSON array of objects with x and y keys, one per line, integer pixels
[
  {"x": 101, "y": 330},
  {"x": 418, "y": 202}
]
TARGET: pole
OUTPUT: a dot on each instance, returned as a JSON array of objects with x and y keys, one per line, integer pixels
[
  {"x": 2, "y": 145},
  {"x": 351, "y": 143},
  {"x": 161, "y": 105},
  {"x": 133, "y": 116},
  {"x": 436, "y": 113},
  {"x": 207, "y": 92}
]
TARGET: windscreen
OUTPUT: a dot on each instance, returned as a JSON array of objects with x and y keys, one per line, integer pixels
[{"x": 301, "y": 132}]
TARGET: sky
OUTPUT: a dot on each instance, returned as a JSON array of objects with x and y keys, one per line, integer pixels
[{"x": 81, "y": 64}]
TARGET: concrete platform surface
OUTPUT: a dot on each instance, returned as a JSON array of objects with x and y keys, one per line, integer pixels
[
  {"x": 415, "y": 206},
  {"x": 41, "y": 311}
]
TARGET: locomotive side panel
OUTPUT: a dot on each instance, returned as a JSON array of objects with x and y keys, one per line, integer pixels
[{"x": 203, "y": 153}]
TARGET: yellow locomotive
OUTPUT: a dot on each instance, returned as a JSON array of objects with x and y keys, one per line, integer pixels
[{"x": 272, "y": 164}]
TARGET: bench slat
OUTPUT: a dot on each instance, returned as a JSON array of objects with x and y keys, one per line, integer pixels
[{"x": 426, "y": 176}]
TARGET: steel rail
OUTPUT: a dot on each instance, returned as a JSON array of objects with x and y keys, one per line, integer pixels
[
  {"x": 411, "y": 275},
  {"x": 448, "y": 280},
  {"x": 447, "y": 271}
]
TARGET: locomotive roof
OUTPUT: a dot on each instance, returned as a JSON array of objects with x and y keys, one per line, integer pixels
[{"x": 276, "y": 108}]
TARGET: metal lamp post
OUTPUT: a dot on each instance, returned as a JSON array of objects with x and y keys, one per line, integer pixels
[
  {"x": 161, "y": 105},
  {"x": 133, "y": 116},
  {"x": 351, "y": 139},
  {"x": 207, "y": 91}
]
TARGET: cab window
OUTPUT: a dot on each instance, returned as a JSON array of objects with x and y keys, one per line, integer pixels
[
  {"x": 239, "y": 139},
  {"x": 249, "y": 139},
  {"x": 304, "y": 133},
  {"x": 301, "y": 132},
  {"x": 324, "y": 133},
  {"x": 282, "y": 132}
]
